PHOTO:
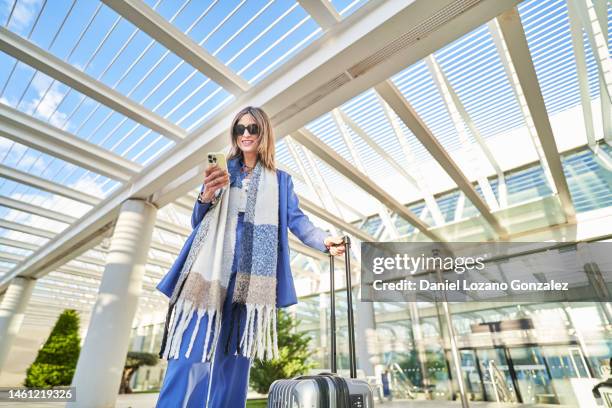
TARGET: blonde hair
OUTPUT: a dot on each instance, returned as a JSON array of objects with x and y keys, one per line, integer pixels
[{"x": 266, "y": 149}]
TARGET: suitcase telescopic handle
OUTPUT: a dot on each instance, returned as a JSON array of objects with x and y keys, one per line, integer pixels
[{"x": 346, "y": 241}]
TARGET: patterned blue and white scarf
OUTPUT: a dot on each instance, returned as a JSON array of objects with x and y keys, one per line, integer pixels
[{"x": 203, "y": 282}]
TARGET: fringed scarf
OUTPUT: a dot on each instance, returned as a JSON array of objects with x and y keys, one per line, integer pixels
[{"x": 203, "y": 282}]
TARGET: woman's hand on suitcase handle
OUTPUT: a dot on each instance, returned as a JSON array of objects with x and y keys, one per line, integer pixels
[
  {"x": 215, "y": 179},
  {"x": 335, "y": 245}
]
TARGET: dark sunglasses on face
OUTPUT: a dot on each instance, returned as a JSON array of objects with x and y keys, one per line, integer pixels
[{"x": 252, "y": 128}]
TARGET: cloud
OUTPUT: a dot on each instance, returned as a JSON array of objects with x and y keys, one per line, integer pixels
[
  {"x": 5, "y": 101},
  {"x": 16, "y": 154},
  {"x": 24, "y": 14},
  {"x": 41, "y": 82},
  {"x": 88, "y": 185},
  {"x": 44, "y": 106},
  {"x": 48, "y": 107}
]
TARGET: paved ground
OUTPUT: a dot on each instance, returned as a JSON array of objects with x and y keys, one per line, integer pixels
[{"x": 148, "y": 401}]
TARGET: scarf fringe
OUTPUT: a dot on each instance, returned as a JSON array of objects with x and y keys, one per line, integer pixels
[{"x": 258, "y": 340}]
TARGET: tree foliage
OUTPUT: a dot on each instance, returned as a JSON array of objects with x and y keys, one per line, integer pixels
[
  {"x": 294, "y": 353},
  {"x": 135, "y": 359},
  {"x": 57, "y": 358}
]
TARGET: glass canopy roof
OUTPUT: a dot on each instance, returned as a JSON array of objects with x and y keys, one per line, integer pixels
[{"x": 144, "y": 80}]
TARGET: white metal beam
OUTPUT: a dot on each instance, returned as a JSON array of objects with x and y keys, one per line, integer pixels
[
  {"x": 514, "y": 37},
  {"x": 329, "y": 201},
  {"x": 322, "y": 11},
  {"x": 22, "y": 177},
  {"x": 293, "y": 151},
  {"x": 377, "y": 148},
  {"x": 601, "y": 10},
  {"x": 55, "y": 281},
  {"x": 165, "y": 247},
  {"x": 159, "y": 262},
  {"x": 408, "y": 115},
  {"x": 76, "y": 271},
  {"x": 325, "y": 153},
  {"x": 91, "y": 260},
  {"x": 41, "y": 136},
  {"x": 54, "y": 67},
  {"x": 403, "y": 169},
  {"x": 15, "y": 226},
  {"x": 324, "y": 198},
  {"x": 45, "y": 296},
  {"x": 583, "y": 86},
  {"x": 95, "y": 237},
  {"x": 348, "y": 141},
  {"x": 185, "y": 203},
  {"x": 346, "y": 206},
  {"x": 410, "y": 163},
  {"x": 165, "y": 33},
  {"x": 170, "y": 227},
  {"x": 460, "y": 117},
  {"x": 50, "y": 283},
  {"x": 18, "y": 244},
  {"x": 296, "y": 245},
  {"x": 598, "y": 41},
  {"x": 64, "y": 291},
  {"x": 39, "y": 304},
  {"x": 36, "y": 210},
  {"x": 48, "y": 295},
  {"x": 319, "y": 72},
  {"x": 582, "y": 75},
  {"x": 504, "y": 55},
  {"x": 325, "y": 215},
  {"x": 10, "y": 257},
  {"x": 49, "y": 314}
]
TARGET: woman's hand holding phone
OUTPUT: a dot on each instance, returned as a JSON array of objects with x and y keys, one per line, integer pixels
[{"x": 215, "y": 178}]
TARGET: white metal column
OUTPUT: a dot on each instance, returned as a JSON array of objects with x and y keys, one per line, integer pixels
[
  {"x": 100, "y": 365},
  {"x": 12, "y": 312}
]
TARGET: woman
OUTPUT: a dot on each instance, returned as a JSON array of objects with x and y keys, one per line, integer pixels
[{"x": 233, "y": 272}]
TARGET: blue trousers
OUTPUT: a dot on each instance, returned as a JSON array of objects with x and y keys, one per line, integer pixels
[{"x": 191, "y": 383}]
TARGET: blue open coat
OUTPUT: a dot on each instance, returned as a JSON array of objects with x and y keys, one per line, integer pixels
[{"x": 290, "y": 217}]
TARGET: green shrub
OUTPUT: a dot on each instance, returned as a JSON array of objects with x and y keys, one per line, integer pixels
[
  {"x": 56, "y": 360},
  {"x": 294, "y": 353}
]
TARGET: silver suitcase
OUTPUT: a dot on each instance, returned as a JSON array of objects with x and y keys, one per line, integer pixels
[{"x": 327, "y": 390}]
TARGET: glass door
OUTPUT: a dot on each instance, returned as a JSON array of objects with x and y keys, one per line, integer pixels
[
  {"x": 566, "y": 361},
  {"x": 496, "y": 377},
  {"x": 532, "y": 375},
  {"x": 579, "y": 363},
  {"x": 472, "y": 376}
]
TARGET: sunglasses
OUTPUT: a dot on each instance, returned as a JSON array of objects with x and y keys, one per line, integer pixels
[{"x": 252, "y": 128}]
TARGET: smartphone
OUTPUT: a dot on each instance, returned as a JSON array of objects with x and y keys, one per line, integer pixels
[{"x": 218, "y": 159}]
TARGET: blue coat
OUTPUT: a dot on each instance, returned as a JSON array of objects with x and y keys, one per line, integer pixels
[{"x": 290, "y": 217}]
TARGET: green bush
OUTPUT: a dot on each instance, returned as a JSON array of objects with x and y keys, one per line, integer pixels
[
  {"x": 56, "y": 360},
  {"x": 294, "y": 353}
]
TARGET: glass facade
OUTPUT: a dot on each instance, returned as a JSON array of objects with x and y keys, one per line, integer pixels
[
  {"x": 533, "y": 353},
  {"x": 588, "y": 179},
  {"x": 147, "y": 338}
]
